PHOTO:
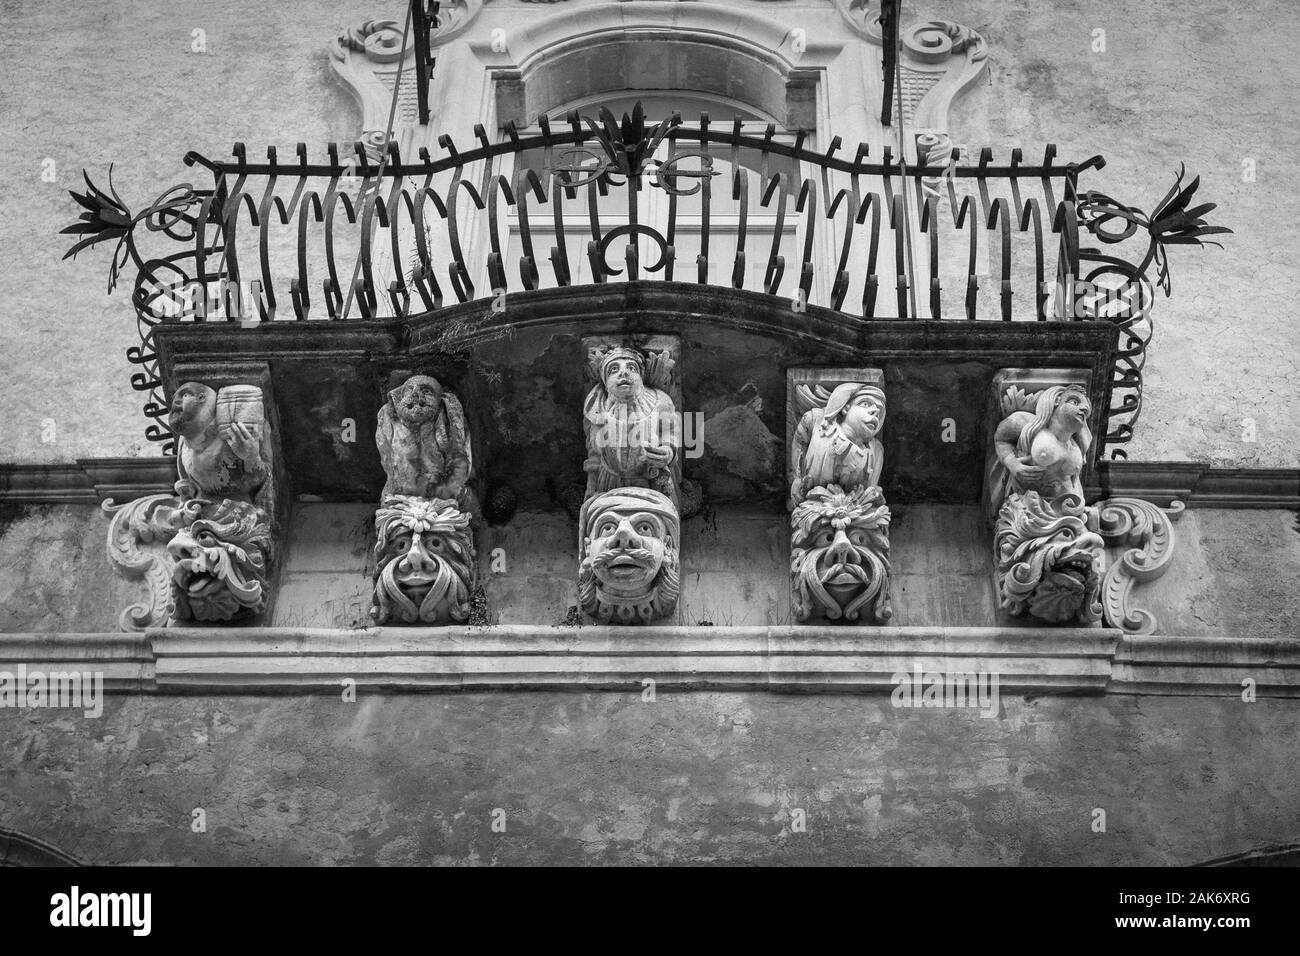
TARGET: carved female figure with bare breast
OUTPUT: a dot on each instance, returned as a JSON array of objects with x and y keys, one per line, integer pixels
[{"x": 1046, "y": 546}]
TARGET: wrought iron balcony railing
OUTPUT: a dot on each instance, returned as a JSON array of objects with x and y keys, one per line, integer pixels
[{"x": 385, "y": 238}]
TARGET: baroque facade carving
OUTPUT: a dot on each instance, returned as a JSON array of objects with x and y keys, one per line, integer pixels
[
  {"x": 205, "y": 553},
  {"x": 630, "y": 545},
  {"x": 425, "y": 562},
  {"x": 369, "y": 57},
  {"x": 939, "y": 59},
  {"x": 839, "y": 545},
  {"x": 1049, "y": 545},
  {"x": 629, "y": 523},
  {"x": 630, "y": 423}
]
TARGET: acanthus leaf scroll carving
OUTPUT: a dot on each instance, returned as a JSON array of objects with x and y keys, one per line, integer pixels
[
  {"x": 1145, "y": 531},
  {"x": 425, "y": 560},
  {"x": 839, "y": 521},
  {"x": 205, "y": 553}
]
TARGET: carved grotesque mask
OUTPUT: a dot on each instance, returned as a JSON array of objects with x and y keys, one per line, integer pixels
[
  {"x": 629, "y": 570},
  {"x": 220, "y": 561},
  {"x": 418, "y": 400},
  {"x": 840, "y": 555},
  {"x": 1049, "y": 563},
  {"x": 424, "y": 562}
]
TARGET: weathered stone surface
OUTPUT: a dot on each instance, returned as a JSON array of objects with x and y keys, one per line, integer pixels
[{"x": 689, "y": 778}]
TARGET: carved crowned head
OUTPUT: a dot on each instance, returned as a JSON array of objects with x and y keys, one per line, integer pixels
[
  {"x": 417, "y": 401},
  {"x": 424, "y": 562},
  {"x": 860, "y": 410},
  {"x": 839, "y": 554},
  {"x": 193, "y": 410},
  {"x": 220, "y": 560},
  {"x": 629, "y": 571},
  {"x": 622, "y": 373}
]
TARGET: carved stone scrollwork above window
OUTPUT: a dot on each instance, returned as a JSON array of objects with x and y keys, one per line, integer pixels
[
  {"x": 369, "y": 56},
  {"x": 939, "y": 60}
]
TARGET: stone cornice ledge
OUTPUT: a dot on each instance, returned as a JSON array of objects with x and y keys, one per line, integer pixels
[{"x": 1029, "y": 661}]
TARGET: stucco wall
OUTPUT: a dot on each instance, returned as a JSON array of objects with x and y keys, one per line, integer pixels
[
  {"x": 688, "y": 778},
  {"x": 117, "y": 83}
]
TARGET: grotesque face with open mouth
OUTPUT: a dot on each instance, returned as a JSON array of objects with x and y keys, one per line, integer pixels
[
  {"x": 1049, "y": 563},
  {"x": 424, "y": 562},
  {"x": 840, "y": 555},
  {"x": 220, "y": 561},
  {"x": 629, "y": 569}
]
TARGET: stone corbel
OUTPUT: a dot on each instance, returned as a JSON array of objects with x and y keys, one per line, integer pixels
[
  {"x": 1048, "y": 553},
  {"x": 629, "y": 525},
  {"x": 207, "y": 554},
  {"x": 839, "y": 522},
  {"x": 1050, "y": 547},
  {"x": 426, "y": 569},
  {"x": 369, "y": 56}
]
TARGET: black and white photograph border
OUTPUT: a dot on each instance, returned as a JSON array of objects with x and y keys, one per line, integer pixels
[{"x": 649, "y": 433}]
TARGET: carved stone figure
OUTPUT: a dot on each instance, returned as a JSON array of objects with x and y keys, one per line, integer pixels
[
  {"x": 836, "y": 444},
  {"x": 223, "y": 444},
  {"x": 424, "y": 443},
  {"x": 839, "y": 555},
  {"x": 1047, "y": 549},
  {"x": 629, "y": 541},
  {"x": 221, "y": 557},
  {"x": 205, "y": 552},
  {"x": 424, "y": 562},
  {"x": 839, "y": 523},
  {"x": 632, "y": 430}
]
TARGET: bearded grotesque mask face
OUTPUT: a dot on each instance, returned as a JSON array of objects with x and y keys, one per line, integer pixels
[
  {"x": 629, "y": 569},
  {"x": 418, "y": 400},
  {"x": 220, "y": 559},
  {"x": 1049, "y": 563},
  {"x": 424, "y": 562},
  {"x": 839, "y": 556}
]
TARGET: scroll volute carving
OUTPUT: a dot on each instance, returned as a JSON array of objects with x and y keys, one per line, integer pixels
[
  {"x": 425, "y": 563},
  {"x": 839, "y": 544},
  {"x": 629, "y": 526},
  {"x": 205, "y": 552}
]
